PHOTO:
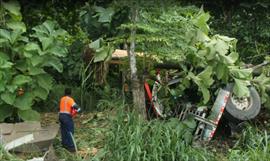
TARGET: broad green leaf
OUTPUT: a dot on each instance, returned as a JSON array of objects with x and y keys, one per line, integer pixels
[
  {"x": 55, "y": 63},
  {"x": 24, "y": 102},
  {"x": 45, "y": 81},
  {"x": 220, "y": 70},
  {"x": 101, "y": 54},
  {"x": 11, "y": 88},
  {"x": 37, "y": 60},
  {"x": 95, "y": 44},
  {"x": 5, "y": 111},
  {"x": 201, "y": 21},
  {"x": 21, "y": 79},
  {"x": 210, "y": 50},
  {"x": 105, "y": 15},
  {"x": 205, "y": 76},
  {"x": 190, "y": 123},
  {"x": 21, "y": 65},
  {"x": 40, "y": 93},
  {"x": 240, "y": 73},
  {"x": 188, "y": 137},
  {"x": 57, "y": 50},
  {"x": 35, "y": 71},
  {"x": 40, "y": 31},
  {"x": 204, "y": 81},
  {"x": 13, "y": 7},
  {"x": 60, "y": 33},
  {"x": 46, "y": 42},
  {"x": 29, "y": 115},
  {"x": 201, "y": 36},
  {"x": 262, "y": 82},
  {"x": 15, "y": 25},
  {"x": 5, "y": 64},
  {"x": 32, "y": 47},
  {"x": 3, "y": 41},
  {"x": 5, "y": 34},
  {"x": 15, "y": 36},
  {"x": 226, "y": 38},
  {"x": 4, "y": 56},
  {"x": 27, "y": 54},
  {"x": 45, "y": 29},
  {"x": 231, "y": 58},
  {"x": 8, "y": 97},
  {"x": 221, "y": 47},
  {"x": 49, "y": 25},
  {"x": 2, "y": 86},
  {"x": 202, "y": 53},
  {"x": 240, "y": 88},
  {"x": 206, "y": 94},
  {"x": 110, "y": 51}
]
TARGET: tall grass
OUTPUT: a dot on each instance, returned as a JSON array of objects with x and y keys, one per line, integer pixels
[
  {"x": 132, "y": 139},
  {"x": 253, "y": 145}
]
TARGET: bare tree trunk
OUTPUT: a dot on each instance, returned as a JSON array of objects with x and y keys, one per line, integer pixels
[{"x": 137, "y": 85}]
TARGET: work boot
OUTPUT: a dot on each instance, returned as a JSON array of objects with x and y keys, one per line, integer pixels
[{"x": 71, "y": 150}]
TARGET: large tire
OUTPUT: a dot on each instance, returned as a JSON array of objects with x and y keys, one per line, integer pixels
[{"x": 240, "y": 110}]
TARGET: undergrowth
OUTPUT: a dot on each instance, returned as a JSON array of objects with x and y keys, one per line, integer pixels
[
  {"x": 132, "y": 139},
  {"x": 125, "y": 137},
  {"x": 5, "y": 156},
  {"x": 254, "y": 144}
]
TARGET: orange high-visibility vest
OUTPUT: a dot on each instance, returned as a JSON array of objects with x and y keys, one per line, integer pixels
[{"x": 66, "y": 104}]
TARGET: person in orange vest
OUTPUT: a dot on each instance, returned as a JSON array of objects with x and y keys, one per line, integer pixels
[{"x": 68, "y": 108}]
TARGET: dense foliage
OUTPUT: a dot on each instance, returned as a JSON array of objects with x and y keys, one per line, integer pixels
[
  {"x": 34, "y": 48},
  {"x": 182, "y": 35},
  {"x": 248, "y": 22},
  {"x": 25, "y": 56}
]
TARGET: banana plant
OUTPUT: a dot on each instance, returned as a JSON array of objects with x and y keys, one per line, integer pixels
[{"x": 24, "y": 55}]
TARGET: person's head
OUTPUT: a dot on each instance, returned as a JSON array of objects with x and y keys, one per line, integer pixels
[{"x": 68, "y": 91}]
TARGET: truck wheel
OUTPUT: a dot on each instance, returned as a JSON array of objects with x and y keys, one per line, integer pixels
[{"x": 240, "y": 109}]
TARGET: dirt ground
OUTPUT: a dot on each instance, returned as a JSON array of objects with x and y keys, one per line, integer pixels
[{"x": 90, "y": 130}]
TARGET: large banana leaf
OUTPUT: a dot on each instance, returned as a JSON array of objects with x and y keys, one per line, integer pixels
[
  {"x": 21, "y": 79},
  {"x": 29, "y": 115},
  {"x": 45, "y": 81},
  {"x": 24, "y": 102},
  {"x": 14, "y": 9},
  {"x": 5, "y": 111},
  {"x": 8, "y": 97}
]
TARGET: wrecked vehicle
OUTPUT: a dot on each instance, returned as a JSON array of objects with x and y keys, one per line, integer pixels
[{"x": 226, "y": 105}]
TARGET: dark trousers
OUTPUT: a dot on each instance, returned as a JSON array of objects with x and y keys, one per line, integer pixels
[{"x": 67, "y": 127}]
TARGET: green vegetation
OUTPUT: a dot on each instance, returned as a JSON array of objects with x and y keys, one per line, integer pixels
[
  {"x": 24, "y": 58},
  {"x": 48, "y": 46},
  {"x": 252, "y": 145},
  {"x": 5, "y": 156},
  {"x": 133, "y": 139}
]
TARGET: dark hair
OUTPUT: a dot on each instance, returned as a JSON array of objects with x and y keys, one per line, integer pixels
[{"x": 68, "y": 91}]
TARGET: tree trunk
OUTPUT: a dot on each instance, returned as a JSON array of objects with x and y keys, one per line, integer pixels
[{"x": 136, "y": 84}]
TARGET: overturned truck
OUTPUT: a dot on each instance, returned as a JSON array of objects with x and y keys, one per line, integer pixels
[{"x": 227, "y": 105}]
